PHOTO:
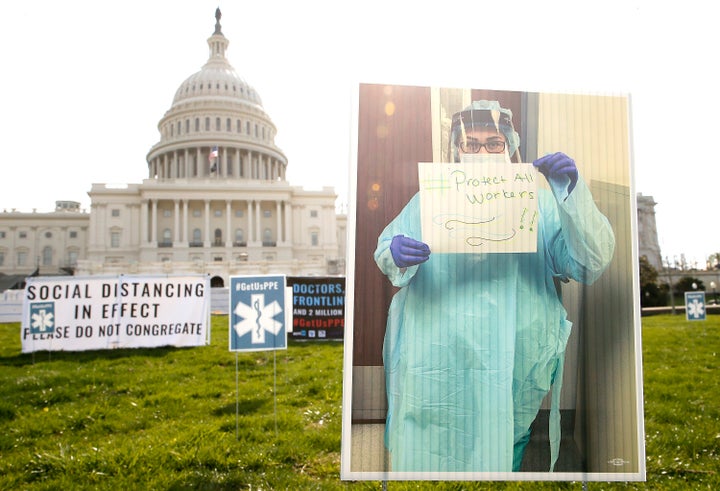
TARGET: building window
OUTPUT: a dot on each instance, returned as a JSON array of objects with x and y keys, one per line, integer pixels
[
  {"x": 239, "y": 213},
  {"x": 179, "y": 123},
  {"x": 114, "y": 239},
  {"x": 267, "y": 235},
  {"x": 187, "y": 126},
  {"x": 197, "y": 235},
  {"x": 239, "y": 126},
  {"x": 72, "y": 258},
  {"x": 22, "y": 234},
  {"x": 167, "y": 236},
  {"x": 228, "y": 125},
  {"x": 47, "y": 256},
  {"x": 197, "y": 125},
  {"x": 207, "y": 124},
  {"x": 217, "y": 124},
  {"x": 21, "y": 258},
  {"x": 267, "y": 213},
  {"x": 2, "y": 258},
  {"x": 217, "y": 213},
  {"x": 73, "y": 234},
  {"x": 115, "y": 213},
  {"x": 197, "y": 213},
  {"x": 313, "y": 213},
  {"x": 314, "y": 239},
  {"x": 218, "y": 237},
  {"x": 256, "y": 131},
  {"x": 2, "y": 235},
  {"x": 239, "y": 236},
  {"x": 247, "y": 127}
]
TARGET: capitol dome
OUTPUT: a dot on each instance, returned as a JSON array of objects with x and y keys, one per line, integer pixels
[{"x": 216, "y": 126}]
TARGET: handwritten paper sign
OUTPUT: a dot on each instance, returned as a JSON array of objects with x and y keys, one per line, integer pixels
[{"x": 479, "y": 207}]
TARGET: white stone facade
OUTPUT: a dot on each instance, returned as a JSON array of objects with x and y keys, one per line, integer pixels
[
  {"x": 648, "y": 244},
  {"x": 224, "y": 214}
]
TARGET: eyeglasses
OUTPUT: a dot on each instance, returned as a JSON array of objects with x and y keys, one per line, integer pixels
[{"x": 474, "y": 146}]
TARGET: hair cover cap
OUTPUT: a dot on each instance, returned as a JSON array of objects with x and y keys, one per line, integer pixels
[{"x": 483, "y": 113}]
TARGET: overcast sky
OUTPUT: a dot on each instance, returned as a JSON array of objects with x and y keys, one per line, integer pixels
[{"x": 85, "y": 83}]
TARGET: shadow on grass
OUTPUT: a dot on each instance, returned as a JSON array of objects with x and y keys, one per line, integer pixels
[
  {"x": 90, "y": 356},
  {"x": 246, "y": 406}
]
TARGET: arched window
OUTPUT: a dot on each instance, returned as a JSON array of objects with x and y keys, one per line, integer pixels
[
  {"x": 197, "y": 235},
  {"x": 207, "y": 124},
  {"x": 167, "y": 236},
  {"x": 267, "y": 237},
  {"x": 228, "y": 125},
  {"x": 239, "y": 236},
  {"x": 197, "y": 124},
  {"x": 218, "y": 237},
  {"x": 217, "y": 124}
]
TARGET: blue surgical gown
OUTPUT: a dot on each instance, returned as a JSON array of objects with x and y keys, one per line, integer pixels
[{"x": 474, "y": 342}]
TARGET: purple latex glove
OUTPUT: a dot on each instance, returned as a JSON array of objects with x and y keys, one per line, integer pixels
[
  {"x": 556, "y": 165},
  {"x": 408, "y": 252}
]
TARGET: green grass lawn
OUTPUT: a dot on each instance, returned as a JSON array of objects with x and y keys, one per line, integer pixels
[{"x": 166, "y": 418}]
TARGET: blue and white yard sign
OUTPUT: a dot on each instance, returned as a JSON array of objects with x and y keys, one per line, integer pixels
[
  {"x": 257, "y": 313},
  {"x": 695, "y": 306}
]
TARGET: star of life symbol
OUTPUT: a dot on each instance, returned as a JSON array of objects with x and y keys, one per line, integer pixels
[
  {"x": 696, "y": 309},
  {"x": 258, "y": 318},
  {"x": 42, "y": 320}
]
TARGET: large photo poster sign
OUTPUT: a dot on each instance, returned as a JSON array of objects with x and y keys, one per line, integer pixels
[
  {"x": 318, "y": 304},
  {"x": 492, "y": 329},
  {"x": 92, "y": 313}
]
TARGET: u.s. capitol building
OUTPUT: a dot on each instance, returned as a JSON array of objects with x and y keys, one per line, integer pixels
[{"x": 215, "y": 200}]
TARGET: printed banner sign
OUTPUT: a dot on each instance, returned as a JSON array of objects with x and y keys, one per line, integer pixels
[
  {"x": 695, "y": 306},
  {"x": 91, "y": 313},
  {"x": 258, "y": 317},
  {"x": 478, "y": 207},
  {"x": 318, "y": 307}
]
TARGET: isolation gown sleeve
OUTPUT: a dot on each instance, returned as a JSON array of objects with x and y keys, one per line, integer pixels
[
  {"x": 407, "y": 223},
  {"x": 582, "y": 246}
]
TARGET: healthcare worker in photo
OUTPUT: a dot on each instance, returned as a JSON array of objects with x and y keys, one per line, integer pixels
[{"x": 474, "y": 342}]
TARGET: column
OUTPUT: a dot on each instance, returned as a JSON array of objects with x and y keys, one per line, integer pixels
[
  {"x": 278, "y": 223},
  {"x": 229, "y": 236},
  {"x": 258, "y": 232},
  {"x": 207, "y": 223},
  {"x": 238, "y": 171},
  {"x": 288, "y": 218},
  {"x": 176, "y": 215},
  {"x": 153, "y": 227},
  {"x": 185, "y": 237},
  {"x": 198, "y": 163},
  {"x": 144, "y": 222},
  {"x": 250, "y": 222}
]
